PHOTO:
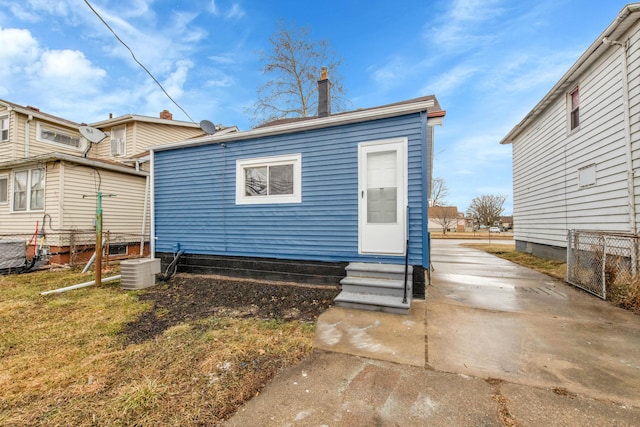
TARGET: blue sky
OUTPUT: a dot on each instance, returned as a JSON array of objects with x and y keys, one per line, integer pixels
[{"x": 487, "y": 61}]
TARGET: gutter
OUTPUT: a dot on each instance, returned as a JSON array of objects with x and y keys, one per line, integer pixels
[
  {"x": 316, "y": 123},
  {"x": 73, "y": 159}
]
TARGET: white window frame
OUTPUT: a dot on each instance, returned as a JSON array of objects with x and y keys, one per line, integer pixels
[
  {"x": 287, "y": 159},
  {"x": 573, "y": 110},
  {"x": 4, "y": 192},
  {"x": 62, "y": 132},
  {"x": 119, "y": 144},
  {"x": 4, "y": 128},
  {"x": 29, "y": 200}
]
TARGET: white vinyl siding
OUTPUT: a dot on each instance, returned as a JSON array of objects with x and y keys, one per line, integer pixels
[
  {"x": 122, "y": 203},
  {"x": 578, "y": 180}
]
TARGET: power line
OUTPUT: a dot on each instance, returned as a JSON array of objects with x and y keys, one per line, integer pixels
[{"x": 136, "y": 59}]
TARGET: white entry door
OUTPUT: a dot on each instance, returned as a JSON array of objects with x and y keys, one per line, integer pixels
[{"x": 382, "y": 183}]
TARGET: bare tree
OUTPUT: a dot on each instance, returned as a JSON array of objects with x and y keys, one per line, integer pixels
[
  {"x": 445, "y": 216},
  {"x": 439, "y": 192},
  {"x": 486, "y": 209},
  {"x": 293, "y": 70}
]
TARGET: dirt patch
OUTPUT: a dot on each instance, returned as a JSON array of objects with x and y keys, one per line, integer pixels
[{"x": 191, "y": 297}]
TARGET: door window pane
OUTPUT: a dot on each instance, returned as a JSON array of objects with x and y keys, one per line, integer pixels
[
  {"x": 382, "y": 191},
  {"x": 382, "y": 205}
]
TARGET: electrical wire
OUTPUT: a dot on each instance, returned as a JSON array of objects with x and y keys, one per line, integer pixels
[{"x": 136, "y": 59}]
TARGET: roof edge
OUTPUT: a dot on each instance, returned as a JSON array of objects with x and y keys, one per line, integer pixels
[
  {"x": 74, "y": 159},
  {"x": 138, "y": 118},
  {"x": 588, "y": 58},
  {"x": 356, "y": 116}
]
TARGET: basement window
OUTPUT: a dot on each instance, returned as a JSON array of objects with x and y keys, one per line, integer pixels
[
  {"x": 264, "y": 180},
  {"x": 118, "y": 248}
]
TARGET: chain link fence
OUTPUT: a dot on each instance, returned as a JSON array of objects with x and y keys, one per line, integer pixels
[
  {"x": 598, "y": 261},
  {"x": 21, "y": 252}
]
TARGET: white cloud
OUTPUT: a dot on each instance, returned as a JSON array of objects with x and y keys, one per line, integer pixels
[
  {"x": 19, "y": 49},
  {"x": 451, "y": 80},
  {"x": 68, "y": 71},
  {"x": 462, "y": 26},
  {"x": 235, "y": 12}
]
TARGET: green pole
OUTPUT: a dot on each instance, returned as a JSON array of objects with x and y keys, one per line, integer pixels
[{"x": 99, "y": 240}]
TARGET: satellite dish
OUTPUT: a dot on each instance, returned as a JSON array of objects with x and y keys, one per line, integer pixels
[
  {"x": 92, "y": 134},
  {"x": 208, "y": 127}
]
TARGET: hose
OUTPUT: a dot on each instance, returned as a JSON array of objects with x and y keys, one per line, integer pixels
[{"x": 172, "y": 267}]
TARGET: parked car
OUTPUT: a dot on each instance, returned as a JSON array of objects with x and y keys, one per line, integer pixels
[{"x": 494, "y": 229}]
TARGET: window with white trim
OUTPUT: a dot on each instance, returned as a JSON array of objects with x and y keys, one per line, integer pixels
[
  {"x": 4, "y": 189},
  {"x": 51, "y": 134},
  {"x": 28, "y": 190},
  {"x": 4, "y": 128},
  {"x": 119, "y": 141},
  {"x": 574, "y": 108},
  {"x": 275, "y": 179}
]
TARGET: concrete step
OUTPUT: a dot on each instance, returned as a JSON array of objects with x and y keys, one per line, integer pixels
[
  {"x": 373, "y": 302},
  {"x": 370, "y": 285},
  {"x": 383, "y": 271}
]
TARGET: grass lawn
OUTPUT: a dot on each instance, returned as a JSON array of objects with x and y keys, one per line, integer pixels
[{"x": 65, "y": 361}]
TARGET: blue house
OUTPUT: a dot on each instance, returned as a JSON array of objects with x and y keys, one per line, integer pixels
[{"x": 302, "y": 200}]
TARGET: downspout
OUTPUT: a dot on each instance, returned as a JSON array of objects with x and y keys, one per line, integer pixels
[
  {"x": 26, "y": 136},
  {"x": 152, "y": 210},
  {"x": 425, "y": 196},
  {"x": 144, "y": 214},
  {"x": 627, "y": 131}
]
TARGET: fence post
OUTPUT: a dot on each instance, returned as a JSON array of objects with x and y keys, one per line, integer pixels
[
  {"x": 569, "y": 254},
  {"x": 604, "y": 267}
]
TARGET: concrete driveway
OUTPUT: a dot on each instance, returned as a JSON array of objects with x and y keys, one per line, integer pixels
[
  {"x": 494, "y": 344},
  {"x": 487, "y": 317}
]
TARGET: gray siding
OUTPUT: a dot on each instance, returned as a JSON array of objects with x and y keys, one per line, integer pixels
[{"x": 195, "y": 196}]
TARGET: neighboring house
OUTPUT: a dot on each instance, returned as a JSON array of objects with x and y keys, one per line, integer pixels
[
  {"x": 50, "y": 176},
  {"x": 505, "y": 223},
  {"x": 301, "y": 199},
  {"x": 447, "y": 218},
  {"x": 575, "y": 155}
]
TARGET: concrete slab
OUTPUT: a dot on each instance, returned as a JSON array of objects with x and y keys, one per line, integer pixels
[
  {"x": 504, "y": 346},
  {"x": 335, "y": 389},
  {"x": 383, "y": 336},
  {"x": 529, "y": 329}
]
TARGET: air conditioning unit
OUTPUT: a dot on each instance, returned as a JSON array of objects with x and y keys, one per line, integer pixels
[
  {"x": 139, "y": 273},
  {"x": 13, "y": 254}
]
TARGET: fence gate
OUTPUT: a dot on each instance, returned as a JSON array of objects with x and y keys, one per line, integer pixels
[{"x": 597, "y": 260}]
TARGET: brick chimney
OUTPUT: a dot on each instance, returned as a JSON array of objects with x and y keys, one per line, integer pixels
[
  {"x": 324, "y": 94},
  {"x": 165, "y": 114}
]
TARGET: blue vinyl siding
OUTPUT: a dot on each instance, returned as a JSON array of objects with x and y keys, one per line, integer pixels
[{"x": 195, "y": 196}]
